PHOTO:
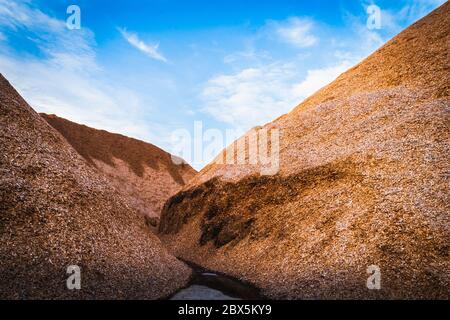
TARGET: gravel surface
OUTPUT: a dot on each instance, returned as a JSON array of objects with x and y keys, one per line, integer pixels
[
  {"x": 57, "y": 211},
  {"x": 363, "y": 181}
]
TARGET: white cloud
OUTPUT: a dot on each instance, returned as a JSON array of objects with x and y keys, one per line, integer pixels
[
  {"x": 316, "y": 79},
  {"x": 416, "y": 9},
  {"x": 295, "y": 31},
  {"x": 248, "y": 55},
  {"x": 150, "y": 50},
  {"x": 65, "y": 78},
  {"x": 254, "y": 96}
]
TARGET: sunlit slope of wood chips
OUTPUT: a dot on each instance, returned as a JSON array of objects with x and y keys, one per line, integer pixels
[{"x": 363, "y": 181}]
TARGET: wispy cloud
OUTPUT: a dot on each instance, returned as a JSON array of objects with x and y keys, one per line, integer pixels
[
  {"x": 64, "y": 77},
  {"x": 257, "y": 95},
  {"x": 269, "y": 87},
  {"x": 249, "y": 97},
  {"x": 247, "y": 55},
  {"x": 318, "y": 78},
  {"x": 51, "y": 36},
  {"x": 416, "y": 9},
  {"x": 295, "y": 31},
  {"x": 150, "y": 50}
]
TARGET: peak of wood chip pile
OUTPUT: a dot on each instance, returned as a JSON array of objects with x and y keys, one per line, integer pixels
[
  {"x": 363, "y": 181},
  {"x": 57, "y": 211}
]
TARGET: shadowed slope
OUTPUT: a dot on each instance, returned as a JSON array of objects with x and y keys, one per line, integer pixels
[{"x": 142, "y": 172}]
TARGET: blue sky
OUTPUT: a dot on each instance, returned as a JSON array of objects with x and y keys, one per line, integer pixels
[{"x": 148, "y": 68}]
